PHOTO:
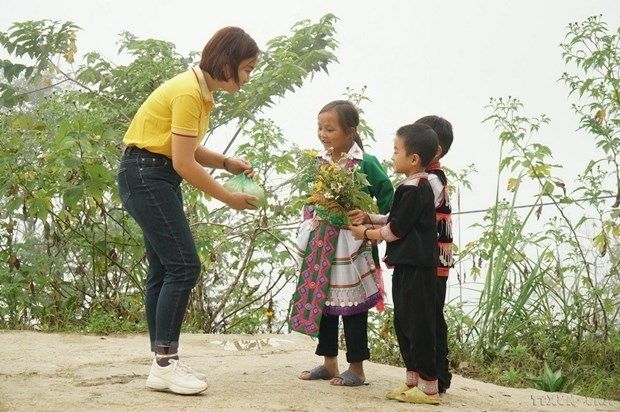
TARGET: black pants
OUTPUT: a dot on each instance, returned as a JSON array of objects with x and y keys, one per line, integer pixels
[
  {"x": 441, "y": 335},
  {"x": 414, "y": 294},
  {"x": 355, "y": 335}
]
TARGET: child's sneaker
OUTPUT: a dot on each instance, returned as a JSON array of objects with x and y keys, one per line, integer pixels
[{"x": 174, "y": 377}]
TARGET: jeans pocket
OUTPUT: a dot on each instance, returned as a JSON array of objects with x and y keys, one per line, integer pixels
[{"x": 123, "y": 185}]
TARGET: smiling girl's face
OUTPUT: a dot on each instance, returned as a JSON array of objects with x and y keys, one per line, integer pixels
[{"x": 332, "y": 135}]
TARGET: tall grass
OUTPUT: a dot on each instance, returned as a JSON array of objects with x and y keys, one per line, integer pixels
[{"x": 545, "y": 290}]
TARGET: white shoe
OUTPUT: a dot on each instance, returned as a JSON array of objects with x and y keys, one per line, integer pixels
[
  {"x": 175, "y": 378},
  {"x": 201, "y": 376}
]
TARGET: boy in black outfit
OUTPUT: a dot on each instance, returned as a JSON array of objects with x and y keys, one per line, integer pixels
[{"x": 410, "y": 231}]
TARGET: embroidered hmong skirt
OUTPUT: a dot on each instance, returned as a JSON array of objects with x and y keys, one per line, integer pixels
[{"x": 337, "y": 276}]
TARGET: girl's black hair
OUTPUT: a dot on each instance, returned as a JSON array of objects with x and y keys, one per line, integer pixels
[{"x": 348, "y": 117}]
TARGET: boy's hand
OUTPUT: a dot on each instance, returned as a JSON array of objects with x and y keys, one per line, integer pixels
[
  {"x": 358, "y": 232},
  {"x": 357, "y": 217}
]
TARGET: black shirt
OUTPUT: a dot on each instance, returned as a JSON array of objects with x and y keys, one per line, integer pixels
[{"x": 411, "y": 232}]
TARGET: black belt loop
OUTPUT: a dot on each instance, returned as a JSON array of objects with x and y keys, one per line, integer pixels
[
  {"x": 135, "y": 150},
  {"x": 129, "y": 150}
]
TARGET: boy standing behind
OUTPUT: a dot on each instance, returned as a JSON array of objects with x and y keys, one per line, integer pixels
[{"x": 443, "y": 211}]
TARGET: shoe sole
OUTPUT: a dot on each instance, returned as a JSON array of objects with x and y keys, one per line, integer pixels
[{"x": 158, "y": 384}]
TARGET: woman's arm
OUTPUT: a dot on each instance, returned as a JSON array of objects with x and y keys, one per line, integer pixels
[
  {"x": 185, "y": 163},
  {"x": 208, "y": 158}
]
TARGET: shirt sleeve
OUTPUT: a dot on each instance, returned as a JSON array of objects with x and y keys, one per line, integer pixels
[
  {"x": 377, "y": 219},
  {"x": 438, "y": 189},
  {"x": 186, "y": 111},
  {"x": 380, "y": 185},
  {"x": 405, "y": 213}
]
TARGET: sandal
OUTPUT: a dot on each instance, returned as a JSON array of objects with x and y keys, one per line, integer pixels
[
  {"x": 320, "y": 372},
  {"x": 397, "y": 392},
  {"x": 349, "y": 379},
  {"x": 415, "y": 395}
]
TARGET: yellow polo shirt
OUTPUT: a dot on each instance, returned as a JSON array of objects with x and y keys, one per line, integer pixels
[{"x": 181, "y": 105}]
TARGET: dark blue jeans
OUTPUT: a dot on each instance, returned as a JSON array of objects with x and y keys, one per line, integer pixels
[{"x": 150, "y": 192}]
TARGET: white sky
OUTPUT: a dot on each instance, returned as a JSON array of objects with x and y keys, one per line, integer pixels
[{"x": 416, "y": 57}]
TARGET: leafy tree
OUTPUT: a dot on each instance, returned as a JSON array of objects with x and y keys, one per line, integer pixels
[{"x": 71, "y": 252}]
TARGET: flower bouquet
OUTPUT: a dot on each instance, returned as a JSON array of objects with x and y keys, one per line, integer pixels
[{"x": 335, "y": 190}]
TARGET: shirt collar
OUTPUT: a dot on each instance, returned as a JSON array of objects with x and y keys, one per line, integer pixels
[
  {"x": 202, "y": 82},
  {"x": 354, "y": 152},
  {"x": 413, "y": 179}
]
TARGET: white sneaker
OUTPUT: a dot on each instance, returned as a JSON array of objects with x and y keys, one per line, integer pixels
[
  {"x": 175, "y": 378},
  {"x": 201, "y": 376}
]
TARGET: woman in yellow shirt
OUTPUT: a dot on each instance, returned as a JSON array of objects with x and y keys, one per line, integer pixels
[{"x": 163, "y": 148}]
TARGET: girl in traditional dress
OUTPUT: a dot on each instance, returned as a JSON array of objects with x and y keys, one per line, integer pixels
[{"x": 338, "y": 275}]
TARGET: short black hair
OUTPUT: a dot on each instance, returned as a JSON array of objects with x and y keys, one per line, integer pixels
[
  {"x": 443, "y": 128},
  {"x": 228, "y": 46},
  {"x": 419, "y": 139}
]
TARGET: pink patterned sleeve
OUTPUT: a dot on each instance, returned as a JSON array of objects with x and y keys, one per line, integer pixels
[
  {"x": 388, "y": 234},
  {"x": 307, "y": 212},
  {"x": 377, "y": 219}
]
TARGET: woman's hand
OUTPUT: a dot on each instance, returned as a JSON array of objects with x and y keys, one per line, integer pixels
[
  {"x": 357, "y": 217},
  {"x": 241, "y": 201},
  {"x": 236, "y": 166},
  {"x": 358, "y": 231}
]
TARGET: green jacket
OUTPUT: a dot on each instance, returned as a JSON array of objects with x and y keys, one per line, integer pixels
[
  {"x": 380, "y": 188},
  {"x": 380, "y": 185}
]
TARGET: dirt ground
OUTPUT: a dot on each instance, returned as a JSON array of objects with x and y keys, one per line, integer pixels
[{"x": 69, "y": 372}]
